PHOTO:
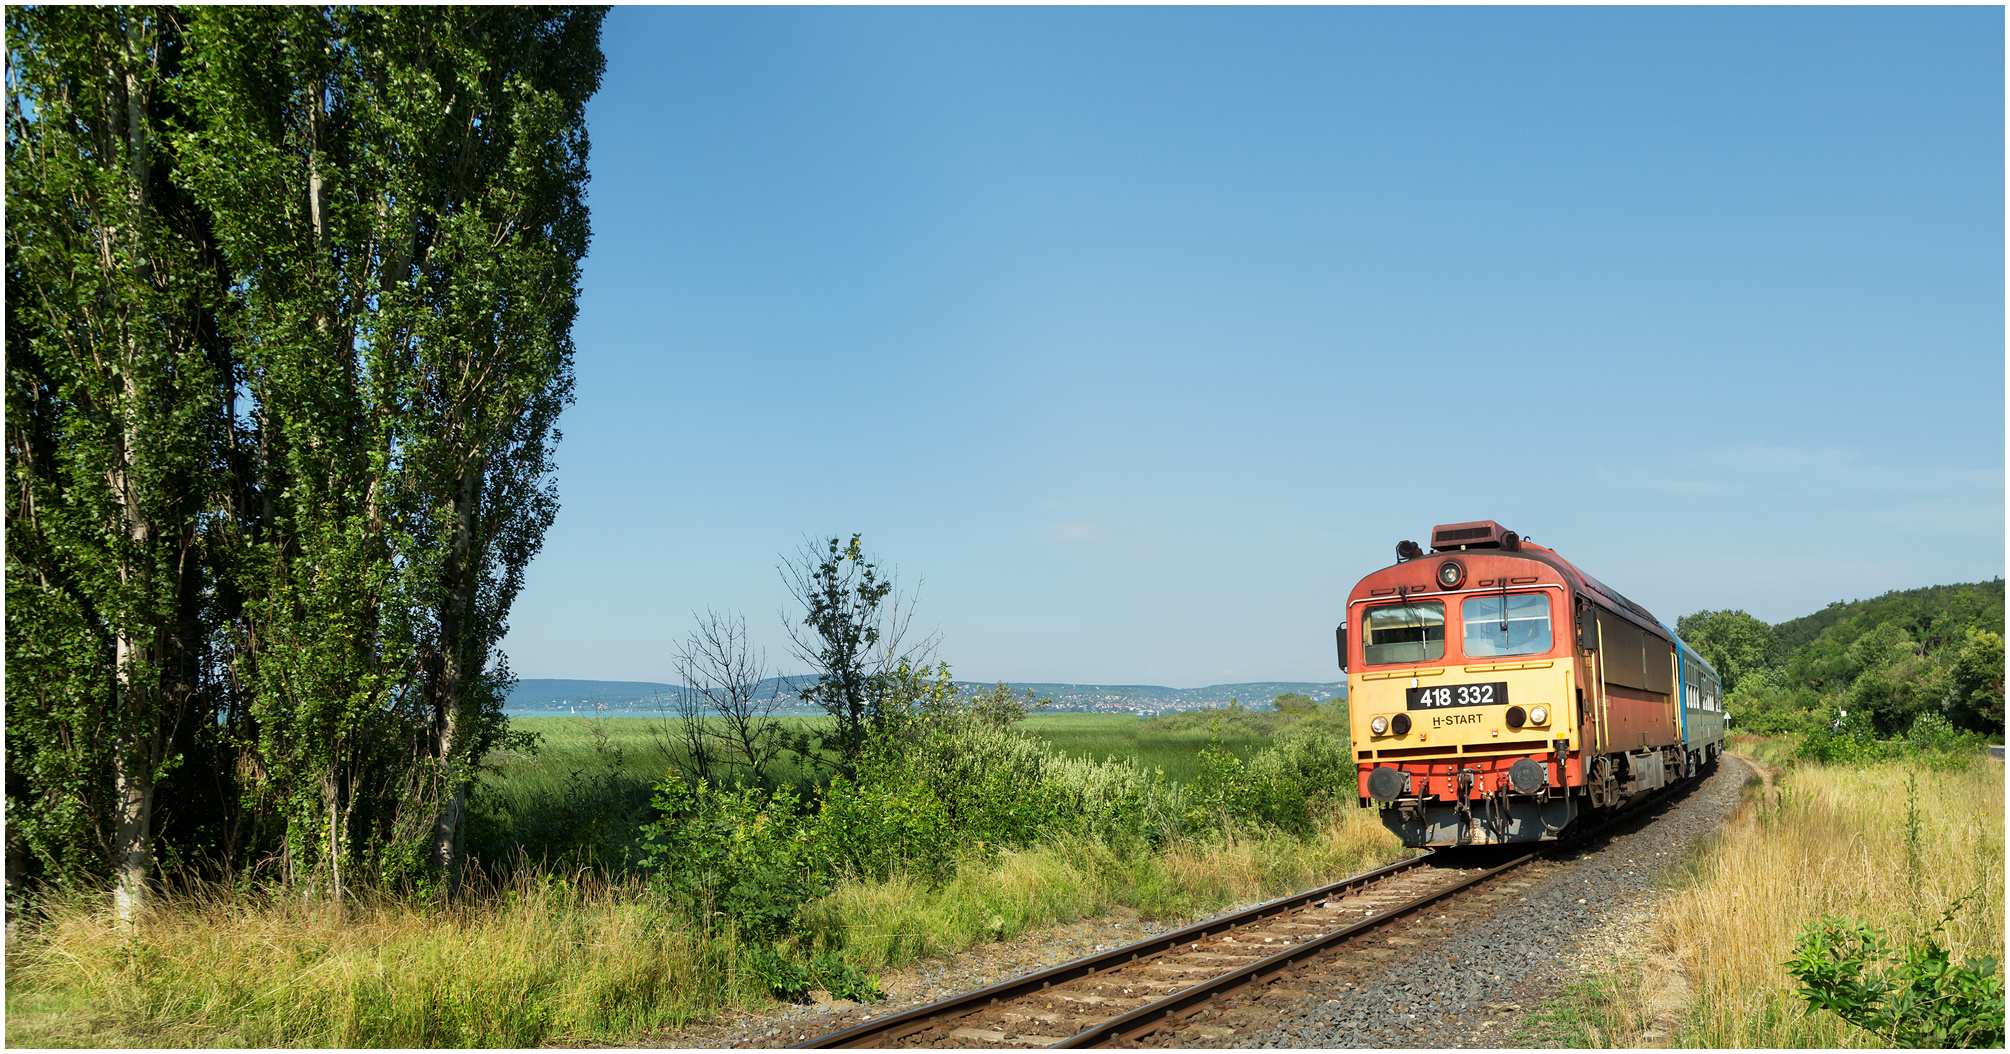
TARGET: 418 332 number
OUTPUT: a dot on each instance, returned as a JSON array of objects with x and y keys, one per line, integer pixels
[{"x": 1440, "y": 696}]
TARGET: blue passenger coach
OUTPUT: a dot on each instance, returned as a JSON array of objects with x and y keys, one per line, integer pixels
[{"x": 1702, "y": 706}]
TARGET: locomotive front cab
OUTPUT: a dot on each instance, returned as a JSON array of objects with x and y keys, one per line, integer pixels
[{"x": 1462, "y": 686}]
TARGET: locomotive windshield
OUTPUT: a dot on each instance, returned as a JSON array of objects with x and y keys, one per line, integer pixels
[
  {"x": 1412, "y": 632},
  {"x": 1517, "y": 624}
]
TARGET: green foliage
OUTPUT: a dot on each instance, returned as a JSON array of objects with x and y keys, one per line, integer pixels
[
  {"x": 290, "y": 293},
  {"x": 850, "y": 635},
  {"x": 1854, "y": 744},
  {"x": 1932, "y": 733},
  {"x": 1280, "y": 787},
  {"x": 1920, "y": 1000},
  {"x": 1889, "y": 661},
  {"x": 791, "y": 981},
  {"x": 114, "y": 440},
  {"x": 740, "y": 856},
  {"x": 843, "y": 980},
  {"x": 1765, "y": 707},
  {"x": 873, "y": 829},
  {"x": 592, "y": 820},
  {"x": 1226, "y": 722},
  {"x": 1734, "y": 643},
  {"x": 1294, "y": 703},
  {"x": 1975, "y": 690},
  {"x": 1934, "y": 614}
]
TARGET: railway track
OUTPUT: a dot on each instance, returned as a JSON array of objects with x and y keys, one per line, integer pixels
[
  {"x": 1124, "y": 995},
  {"x": 1192, "y": 986}
]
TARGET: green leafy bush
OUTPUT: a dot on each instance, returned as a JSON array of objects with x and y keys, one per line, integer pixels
[
  {"x": 872, "y": 828},
  {"x": 989, "y": 778},
  {"x": 1279, "y": 787},
  {"x": 792, "y": 982},
  {"x": 1923, "y": 1000},
  {"x": 1115, "y": 801},
  {"x": 1220, "y": 793},
  {"x": 843, "y": 980},
  {"x": 739, "y": 854},
  {"x": 1932, "y": 741}
]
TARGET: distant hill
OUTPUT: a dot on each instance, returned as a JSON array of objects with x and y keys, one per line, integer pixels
[
  {"x": 544, "y": 694},
  {"x": 547, "y": 693}
]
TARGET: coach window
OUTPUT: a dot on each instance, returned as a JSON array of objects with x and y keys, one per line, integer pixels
[
  {"x": 1403, "y": 633},
  {"x": 1516, "y": 624}
]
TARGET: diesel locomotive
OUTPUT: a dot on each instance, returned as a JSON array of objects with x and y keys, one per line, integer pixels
[{"x": 1499, "y": 694}]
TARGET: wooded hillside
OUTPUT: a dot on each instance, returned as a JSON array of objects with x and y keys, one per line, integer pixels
[{"x": 1886, "y": 662}]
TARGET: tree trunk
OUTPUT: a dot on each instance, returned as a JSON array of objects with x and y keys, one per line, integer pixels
[
  {"x": 458, "y": 637},
  {"x": 133, "y": 863},
  {"x": 331, "y": 799},
  {"x": 135, "y": 705}
]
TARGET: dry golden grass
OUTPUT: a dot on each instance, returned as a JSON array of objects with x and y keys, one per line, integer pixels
[
  {"x": 536, "y": 959},
  {"x": 1831, "y": 841}
]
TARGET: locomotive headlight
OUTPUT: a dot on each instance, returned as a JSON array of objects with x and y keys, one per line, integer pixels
[
  {"x": 1450, "y": 574},
  {"x": 1379, "y": 726},
  {"x": 1538, "y": 715}
]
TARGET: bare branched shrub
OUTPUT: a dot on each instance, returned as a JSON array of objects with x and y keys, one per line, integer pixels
[{"x": 725, "y": 714}]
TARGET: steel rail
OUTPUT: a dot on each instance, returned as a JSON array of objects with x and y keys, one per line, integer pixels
[
  {"x": 1152, "y": 1016},
  {"x": 874, "y": 1033}
]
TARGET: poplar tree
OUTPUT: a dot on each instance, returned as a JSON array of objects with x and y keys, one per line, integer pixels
[
  {"x": 289, "y": 302},
  {"x": 111, "y": 437},
  {"x": 401, "y": 193}
]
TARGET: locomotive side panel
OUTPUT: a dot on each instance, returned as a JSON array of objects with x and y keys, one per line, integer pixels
[{"x": 1638, "y": 673}]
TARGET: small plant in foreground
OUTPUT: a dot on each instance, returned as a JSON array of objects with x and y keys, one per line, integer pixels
[
  {"x": 1923, "y": 1001},
  {"x": 792, "y": 981},
  {"x": 845, "y": 981}
]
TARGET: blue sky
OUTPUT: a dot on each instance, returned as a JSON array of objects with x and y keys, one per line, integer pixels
[{"x": 1138, "y": 335}]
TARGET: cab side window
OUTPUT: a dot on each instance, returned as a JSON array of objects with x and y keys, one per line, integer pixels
[{"x": 1413, "y": 632}]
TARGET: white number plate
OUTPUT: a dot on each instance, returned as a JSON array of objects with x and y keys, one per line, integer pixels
[{"x": 1440, "y": 696}]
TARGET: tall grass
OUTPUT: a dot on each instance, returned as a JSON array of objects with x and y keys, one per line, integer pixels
[
  {"x": 536, "y": 957},
  {"x": 888, "y": 923},
  {"x": 1844, "y": 841},
  {"x": 540, "y": 957},
  {"x": 545, "y": 948}
]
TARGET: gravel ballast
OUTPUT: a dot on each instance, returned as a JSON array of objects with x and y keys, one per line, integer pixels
[{"x": 1470, "y": 989}]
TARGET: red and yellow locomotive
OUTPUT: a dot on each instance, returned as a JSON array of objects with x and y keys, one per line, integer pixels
[{"x": 1499, "y": 694}]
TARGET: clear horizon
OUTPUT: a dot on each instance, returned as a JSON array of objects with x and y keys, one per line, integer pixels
[{"x": 1141, "y": 334}]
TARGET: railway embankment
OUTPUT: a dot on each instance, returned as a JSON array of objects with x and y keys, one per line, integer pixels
[{"x": 1482, "y": 983}]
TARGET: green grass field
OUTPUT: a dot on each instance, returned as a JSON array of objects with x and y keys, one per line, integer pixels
[
  {"x": 640, "y": 748},
  {"x": 581, "y": 797},
  {"x": 1147, "y": 742}
]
